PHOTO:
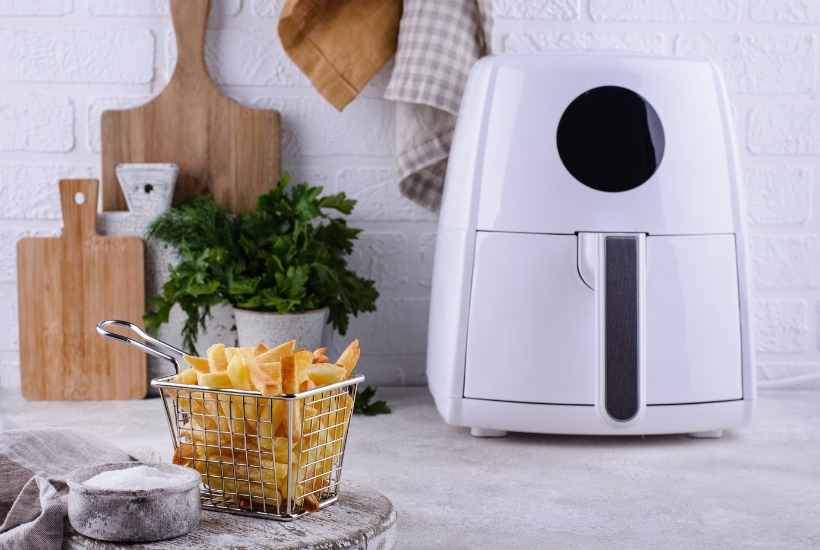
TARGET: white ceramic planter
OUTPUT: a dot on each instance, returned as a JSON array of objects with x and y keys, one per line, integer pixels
[
  {"x": 220, "y": 328},
  {"x": 306, "y": 328}
]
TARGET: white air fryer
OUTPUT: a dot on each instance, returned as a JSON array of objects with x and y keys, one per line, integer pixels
[{"x": 590, "y": 274}]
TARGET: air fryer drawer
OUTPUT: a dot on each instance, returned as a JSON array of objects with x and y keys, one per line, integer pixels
[
  {"x": 692, "y": 320},
  {"x": 531, "y": 336}
]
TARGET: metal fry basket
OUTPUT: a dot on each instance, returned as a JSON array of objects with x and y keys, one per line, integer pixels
[{"x": 273, "y": 457}]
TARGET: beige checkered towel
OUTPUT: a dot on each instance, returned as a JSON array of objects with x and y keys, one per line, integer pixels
[{"x": 439, "y": 41}]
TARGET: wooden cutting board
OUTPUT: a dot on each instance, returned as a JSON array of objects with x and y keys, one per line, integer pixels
[
  {"x": 363, "y": 519},
  {"x": 65, "y": 286},
  {"x": 220, "y": 146}
]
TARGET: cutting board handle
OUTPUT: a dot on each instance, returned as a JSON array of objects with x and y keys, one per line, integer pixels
[
  {"x": 78, "y": 200},
  {"x": 190, "y": 25}
]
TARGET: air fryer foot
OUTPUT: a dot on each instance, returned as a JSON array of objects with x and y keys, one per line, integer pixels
[
  {"x": 707, "y": 434},
  {"x": 485, "y": 432}
]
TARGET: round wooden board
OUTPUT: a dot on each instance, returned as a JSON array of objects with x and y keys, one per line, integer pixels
[{"x": 362, "y": 519}]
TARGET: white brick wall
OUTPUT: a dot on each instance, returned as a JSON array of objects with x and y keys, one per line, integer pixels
[
  {"x": 36, "y": 122},
  {"x": 62, "y": 62},
  {"x": 132, "y": 8},
  {"x": 77, "y": 56},
  {"x": 41, "y": 8},
  {"x": 779, "y": 193},
  {"x": 758, "y": 63},
  {"x": 665, "y": 11},
  {"x": 785, "y": 11}
]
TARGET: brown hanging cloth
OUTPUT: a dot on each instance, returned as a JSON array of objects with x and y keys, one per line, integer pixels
[{"x": 340, "y": 44}]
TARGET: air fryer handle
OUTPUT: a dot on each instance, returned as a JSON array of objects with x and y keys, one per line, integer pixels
[
  {"x": 612, "y": 266},
  {"x": 622, "y": 330}
]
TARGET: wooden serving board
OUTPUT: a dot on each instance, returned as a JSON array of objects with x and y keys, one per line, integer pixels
[
  {"x": 362, "y": 519},
  {"x": 220, "y": 146},
  {"x": 65, "y": 286}
]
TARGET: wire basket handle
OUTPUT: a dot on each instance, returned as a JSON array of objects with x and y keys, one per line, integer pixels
[{"x": 146, "y": 343}]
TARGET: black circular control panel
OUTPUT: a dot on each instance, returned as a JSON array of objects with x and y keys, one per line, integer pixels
[{"x": 610, "y": 139}]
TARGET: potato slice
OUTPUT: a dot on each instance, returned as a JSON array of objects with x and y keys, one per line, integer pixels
[
  {"x": 214, "y": 379},
  {"x": 277, "y": 353},
  {"x": 311, "y": 503},
  {"x": 349, "y": 357},
  {"x": 281, "y": 449},
  {"x": 303, "y": 360},
  {"x": 200, "y": 364},
  {"x": 210, "y": 439},
  {"x": 295, "y": 370},
  {"x": 241, "y": 408},
  {"x": 187, "y": 376},
  {"x": 303, "y": 357},
  {"x": 285, "y": 487},
  {"x": 249, "y": 354},
  {"x": 260, "y": 348},
  {"x": 290, "y": 383},
  {"x": 216, "y": 408},
  {"x": 192, "y": 402},
  {"x": 217, "y": 361},
  {"x": 215, "y": 414},
  {"x": 320, "y": 355},
  {"x": 279, "y": 420},
  {"x": 239, "y": 373},
  {"x": 267, "y": 425},
  {"x": 243, "y": 414},
  {"x": 267, "y": 378},
  {"x": 326, "y": 373},
  {"x": 217, "y": 472}
]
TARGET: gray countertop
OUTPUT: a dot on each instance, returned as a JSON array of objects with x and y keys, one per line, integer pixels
[{"x": 756, "y": 488}]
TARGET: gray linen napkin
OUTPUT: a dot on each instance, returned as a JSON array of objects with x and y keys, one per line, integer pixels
[
  {"x": 33, "y": 467},
  {"x": 438, "y": 44}
]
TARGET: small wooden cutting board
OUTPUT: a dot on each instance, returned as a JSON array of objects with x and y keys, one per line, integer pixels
[
  {"x": 220, "y": 146},
  {"x": 65, "y": 286}
]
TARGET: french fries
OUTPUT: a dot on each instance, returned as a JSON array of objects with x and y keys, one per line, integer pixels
[
  {"x": 199, "y": 364},
  {"x": 187, "y": 376},
  {"x": 275, "y": 354},
  {"x": 218, "y": 379},
  {"x": 350, "y": 357},
  {"x": 267, "y": 378},
  {"x": 323, "y": 374},
  {"x": 240, "y": 373},
  {"x": 260, "y": 348},
  {"x": 217, "y": 360},
  {"x": 242, "y": 444},
  {"x": 320, "y": 355}
]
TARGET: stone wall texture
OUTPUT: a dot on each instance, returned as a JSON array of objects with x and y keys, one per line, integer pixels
[{"x": 63, "y": 62}]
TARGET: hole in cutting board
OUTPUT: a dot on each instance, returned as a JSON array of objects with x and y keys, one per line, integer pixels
[
  {"x": 79, "y": 198},
  {"x": 148, "y": 188}
]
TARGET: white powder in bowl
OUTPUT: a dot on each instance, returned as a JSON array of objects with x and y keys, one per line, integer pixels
[{"x": 136, "y": 478}]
